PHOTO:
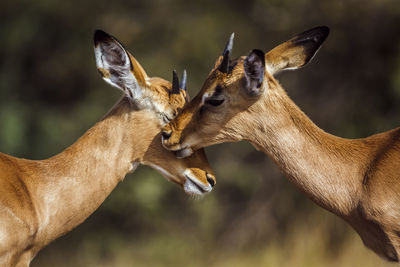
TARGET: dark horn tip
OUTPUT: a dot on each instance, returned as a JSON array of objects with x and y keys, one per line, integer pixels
[
  {"x": 224, "y": 66},
  {"x": 175, "y": 83}
]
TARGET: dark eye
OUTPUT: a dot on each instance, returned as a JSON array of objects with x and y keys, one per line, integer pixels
[
  {"x": 217, "y": 98},
  {"x": 214, "y": 101}
]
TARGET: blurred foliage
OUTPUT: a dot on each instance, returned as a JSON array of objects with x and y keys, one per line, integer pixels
[{"x": 50, "y": 93}]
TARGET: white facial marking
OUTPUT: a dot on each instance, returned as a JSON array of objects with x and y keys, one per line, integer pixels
[
  {"x": 134, "y": 166},
  {"x": 204, "y": 97},
  {"x": 183, "y": 153},
  {"x": 193, "y": 186}
]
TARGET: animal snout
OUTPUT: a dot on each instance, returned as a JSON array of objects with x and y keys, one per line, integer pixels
[
  {"x": 166, "y": 134},
  {"x": 211, "y": 179}
]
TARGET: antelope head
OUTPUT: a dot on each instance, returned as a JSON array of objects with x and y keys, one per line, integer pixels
[
  {"x": 161, "y": 101},
  {"x": 230, "y": 92}
]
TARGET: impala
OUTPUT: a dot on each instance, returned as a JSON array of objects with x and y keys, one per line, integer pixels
[
  {"x": 44, "y": 199},
  {"x": 358, "y": 180}
]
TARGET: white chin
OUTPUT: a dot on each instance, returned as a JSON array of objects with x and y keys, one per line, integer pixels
[
  {"x": 193, "y": 186},
  {"x": 192, "y": 189},
  {"x": 184, "y": 153}
]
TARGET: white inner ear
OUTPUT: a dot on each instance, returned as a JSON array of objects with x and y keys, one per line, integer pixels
[
  {"x": 276, "y": 69},
  {"x": 113, "y": 58},
  {"x": 113, "y": 62}
]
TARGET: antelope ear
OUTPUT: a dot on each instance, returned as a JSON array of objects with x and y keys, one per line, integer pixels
[
  {"x": 116, "y": 66},
  {"x": 296, "y": 52},
  {"x": 254, "y": 68}
]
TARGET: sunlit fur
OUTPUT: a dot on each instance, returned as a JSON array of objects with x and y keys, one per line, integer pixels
[
  {"x": 120, "y": 69},
  {"x": 41, "y": 200},
  {"x": 359, "y": 180}
]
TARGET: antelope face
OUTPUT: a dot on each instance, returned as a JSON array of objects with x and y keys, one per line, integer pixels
[
  {"x": 231, "y": 89},
  {"x": 162, "y": 101},
  {"x": 192, "y": 173}
]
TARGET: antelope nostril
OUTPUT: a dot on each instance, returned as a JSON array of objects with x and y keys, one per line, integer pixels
[
  {"x": 166, "y": 135},
  {"x": 210, "y": 180}
]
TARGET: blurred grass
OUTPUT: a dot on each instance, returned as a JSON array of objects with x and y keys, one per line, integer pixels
[{"x": 305, "y": 245}]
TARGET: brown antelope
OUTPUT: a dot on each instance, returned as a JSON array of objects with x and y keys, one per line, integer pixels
[
  {"x": 41, "y": 200},
  {"x": 359, "y": 180}
]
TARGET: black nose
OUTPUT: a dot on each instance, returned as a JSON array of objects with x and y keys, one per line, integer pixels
[
  {"x": 210, "y": 180},
  {"x": 166, "y": 135}
]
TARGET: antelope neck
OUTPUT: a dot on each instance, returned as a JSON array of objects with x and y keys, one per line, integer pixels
[
  {"x": 323, "y": 166},
  {"x": 68, "y": 187}
]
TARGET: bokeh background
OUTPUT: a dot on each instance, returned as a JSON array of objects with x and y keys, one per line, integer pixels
[{"x": 50, "y": 94}]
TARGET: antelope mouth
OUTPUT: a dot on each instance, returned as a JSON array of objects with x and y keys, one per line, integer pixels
[
  {"x": 180, "y": 150},
  {"x": 193, "y": 186}
]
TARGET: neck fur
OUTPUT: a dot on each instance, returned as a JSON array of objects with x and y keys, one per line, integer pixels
[
  {"x": 71, "y": 185},
  {"x": 323, "y": 166}
]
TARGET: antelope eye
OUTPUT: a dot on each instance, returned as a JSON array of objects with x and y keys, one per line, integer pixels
[
  {"x": 217, "y": 98},
  {"x": 215, "y": 102}
]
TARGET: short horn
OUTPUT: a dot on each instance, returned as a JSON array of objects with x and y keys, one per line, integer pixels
[
  {"x": 175, "y": 83},
  {"x": 229, "y": 44},
  {"x": 183, "y": 85},
  {"x": 183, "y": 82},
  {"x": 224, "y": 66}
]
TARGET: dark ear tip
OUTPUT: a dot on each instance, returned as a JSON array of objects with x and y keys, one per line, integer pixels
[
  {"x": 325, "y": 29},
  {"x": 324, "y": 32},
  {"x": 316, "y": 36},
  {"x": 258, "y": 52},
  {"x": 100, "y": 36},
  {"x": 320, "y": 33}
]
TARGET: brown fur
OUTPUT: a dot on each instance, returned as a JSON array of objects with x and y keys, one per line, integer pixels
[
  {"x": 44, "y": 199},
  {"x": 359, "y": 180}
]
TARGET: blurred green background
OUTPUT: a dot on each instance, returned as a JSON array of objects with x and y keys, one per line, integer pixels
[{"x": 50, "y": 94}]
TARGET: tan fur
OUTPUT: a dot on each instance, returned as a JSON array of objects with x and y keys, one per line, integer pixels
[
  {"x": 103, "y": 72},
  {"x": 44, "y": 199},
  {"x": 138, "y": 71},
  {"x": 359, "y": 180},
  {"x": 285, "y": 56}
]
